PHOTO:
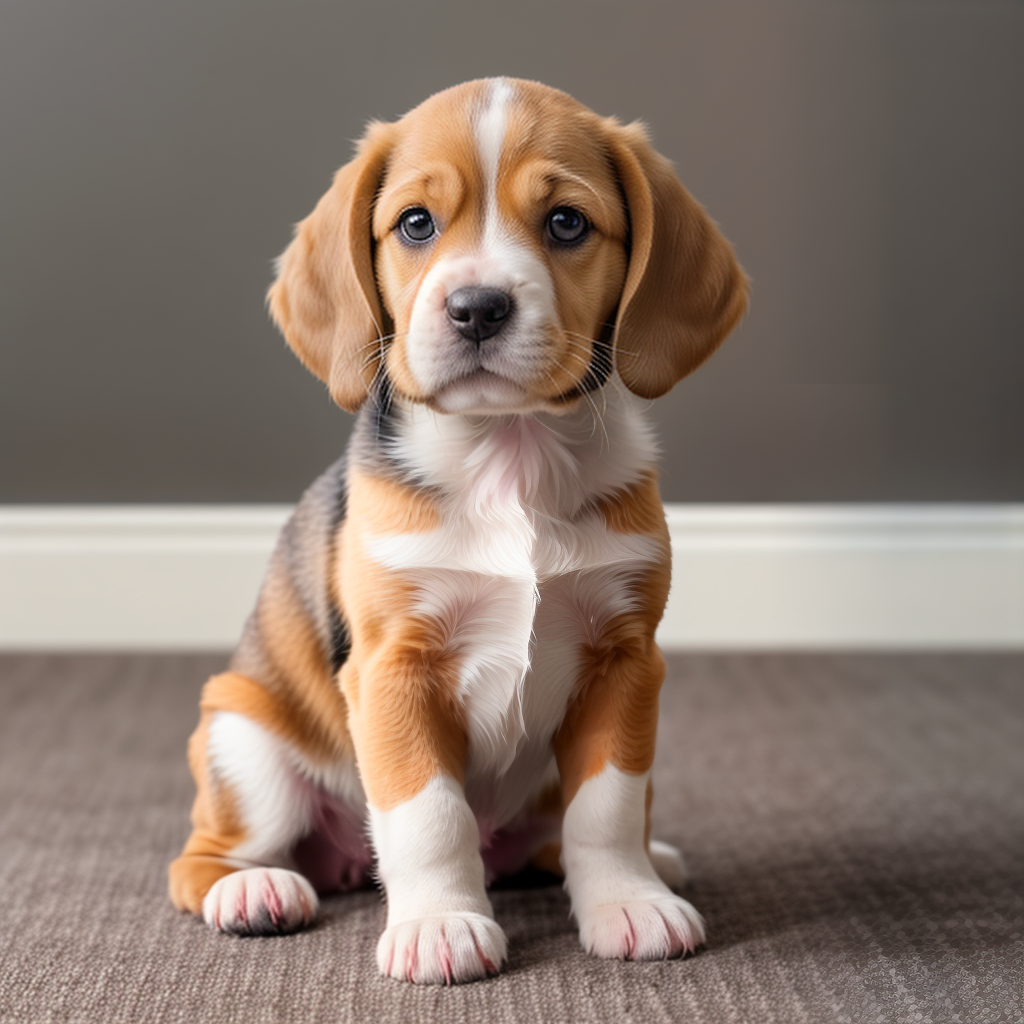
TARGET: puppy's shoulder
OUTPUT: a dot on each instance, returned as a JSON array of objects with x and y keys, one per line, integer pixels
[{"x": 634, "y": 508}]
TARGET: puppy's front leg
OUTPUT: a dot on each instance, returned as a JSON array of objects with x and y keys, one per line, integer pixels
[
  {"x": 605, "y": 749},
  {"x": 411, "y": 745}
]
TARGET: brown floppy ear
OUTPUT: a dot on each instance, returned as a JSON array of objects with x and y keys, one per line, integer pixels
[
  {"x": 684, "y": 290},
  {"x": 325, "y": 298}
]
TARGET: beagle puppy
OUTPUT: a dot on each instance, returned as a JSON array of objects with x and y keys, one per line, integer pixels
[{"x": 451, "y": 669}]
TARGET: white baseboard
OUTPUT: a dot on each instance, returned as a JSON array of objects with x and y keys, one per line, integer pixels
[{"x": 782, "y": 576}]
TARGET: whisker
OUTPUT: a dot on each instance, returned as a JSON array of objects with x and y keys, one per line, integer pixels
[
  {"x": 594, "y": 341},
  {"x": 379, "y": 354},
  {"x": 590, "y": 376},
  {"x": 585, "y": 394},
  {"x": 375, "y": 342}
]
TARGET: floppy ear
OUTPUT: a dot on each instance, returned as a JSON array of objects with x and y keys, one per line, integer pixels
[
  {"x": 684, "y": 290},
  {"x": 325, "y": 298}
]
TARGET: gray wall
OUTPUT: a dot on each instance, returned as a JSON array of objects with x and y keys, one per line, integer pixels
[{"x": 864, "y": 156}]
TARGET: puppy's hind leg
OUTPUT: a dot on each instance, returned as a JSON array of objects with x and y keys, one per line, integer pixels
[
  {"x": 252, "y": 810},
  {"x": 668, "y": 863},
  {"x": 666, "y": 860}
]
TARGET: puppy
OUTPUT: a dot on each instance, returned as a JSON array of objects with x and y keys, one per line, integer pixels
[{"x": 451, "y": 669}]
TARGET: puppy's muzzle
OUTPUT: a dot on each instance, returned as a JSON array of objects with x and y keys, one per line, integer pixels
[{"x": 479, "y": 313}]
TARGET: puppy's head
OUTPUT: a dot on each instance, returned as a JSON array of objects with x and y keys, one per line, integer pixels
[{"x": 500, "y": 249}]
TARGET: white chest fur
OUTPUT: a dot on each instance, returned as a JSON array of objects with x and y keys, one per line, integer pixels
[{"x": 523, "y": 573}]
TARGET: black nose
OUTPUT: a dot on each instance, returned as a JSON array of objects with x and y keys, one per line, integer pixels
[{"x": 479, "y": 313}]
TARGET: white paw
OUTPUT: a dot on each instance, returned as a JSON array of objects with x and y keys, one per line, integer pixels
[
  {"x": 445, "y": 949},
  {"x": 260, "y": 901},
  {"x": 668, "y": 862},
  {"x": 651, "y": 929}
]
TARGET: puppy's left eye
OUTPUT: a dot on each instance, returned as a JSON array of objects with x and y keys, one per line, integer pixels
[
  {"x": 567, "y": 226},
  {"x": 416, "y": 225}
]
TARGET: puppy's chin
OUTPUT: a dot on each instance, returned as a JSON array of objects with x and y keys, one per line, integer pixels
[{"x": 482, "y": 393}]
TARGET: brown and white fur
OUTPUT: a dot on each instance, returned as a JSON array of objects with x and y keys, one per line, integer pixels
[{"x": 451, "y": 668}]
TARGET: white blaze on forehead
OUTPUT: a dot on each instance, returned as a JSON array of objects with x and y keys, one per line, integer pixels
[
  {"x": 490, "y": 137},
  {"x": 500, "y": 259}
]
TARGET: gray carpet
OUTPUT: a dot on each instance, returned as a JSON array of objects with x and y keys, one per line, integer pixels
[{"x": 854, "y": 825}]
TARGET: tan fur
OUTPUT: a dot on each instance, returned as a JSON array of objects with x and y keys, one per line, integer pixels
[
  {"x": 325, "y": 298},
  {"x": 401, "y": 679},
  {"x": 299, "y": 701},
  {"x": 304, "y": 706},
  {"x": 681, "y": 292},
  {"x": 685, "y": 291},
  {"x": 215, "y": 829},
  {"x": 636, "y": 509},
  {"x": 614, "y": 717},
  {"x": 386, "y": 506},
  {"x": 553, "y": 163},
  {"x": 406, "y": 716},
  {"x": 556, "y": 166},
  {"x": 439, "y": 170},
  {"x": 656, "y": 279}
]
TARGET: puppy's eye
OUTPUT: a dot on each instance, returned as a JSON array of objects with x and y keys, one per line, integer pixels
[
  {"x": 567, "y": 226},
  {"x": 416, "y": 225}
]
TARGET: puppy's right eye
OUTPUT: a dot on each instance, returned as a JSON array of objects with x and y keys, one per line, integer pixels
[{"x": 416, "y": 225}]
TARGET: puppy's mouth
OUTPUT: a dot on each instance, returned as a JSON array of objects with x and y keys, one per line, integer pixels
[
  {"x": 484, "y": 391},
  {"x": 484, "y": 379}
]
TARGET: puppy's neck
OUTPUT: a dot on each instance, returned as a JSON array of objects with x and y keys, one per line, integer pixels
[{"x": 542, "y": 463}]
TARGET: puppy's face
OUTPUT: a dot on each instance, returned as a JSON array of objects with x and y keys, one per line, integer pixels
[{"x": 502, "y": 249}]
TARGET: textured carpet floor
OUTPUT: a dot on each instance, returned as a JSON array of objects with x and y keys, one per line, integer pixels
[{"x": 854, "y": 826}]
